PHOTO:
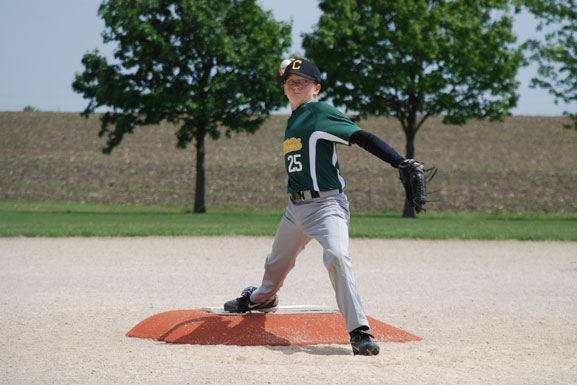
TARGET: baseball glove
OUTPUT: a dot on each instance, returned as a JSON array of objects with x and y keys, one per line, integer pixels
[{"x": 414, "y": 178}]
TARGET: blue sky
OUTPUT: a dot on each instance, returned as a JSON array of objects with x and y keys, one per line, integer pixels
[{"x": 42, "y": 43}]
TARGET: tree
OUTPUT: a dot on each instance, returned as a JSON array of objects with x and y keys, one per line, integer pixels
[
  {"x": 556, "y": 55},
  {"x": 412, "y": 59},
  {"x": 206, "y": 66}
]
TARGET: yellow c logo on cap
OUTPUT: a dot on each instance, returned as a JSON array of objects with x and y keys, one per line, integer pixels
[{"x": 299, "y": 62}]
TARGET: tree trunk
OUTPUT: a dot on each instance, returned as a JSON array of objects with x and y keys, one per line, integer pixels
[
  {"x": 199, "y": 205},
  {"x": 410, "y": 147},
  {"x": 408, "y": 210}
]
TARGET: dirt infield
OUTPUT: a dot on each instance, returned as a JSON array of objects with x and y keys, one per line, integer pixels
[{"x": 488, "y": 312}]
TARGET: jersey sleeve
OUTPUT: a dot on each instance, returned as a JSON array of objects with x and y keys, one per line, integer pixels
[
  {"x": 377, "y": 147},
  {"x": 334, "y": 122}
]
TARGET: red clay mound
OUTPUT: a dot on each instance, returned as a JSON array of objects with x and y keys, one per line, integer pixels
[{"x": 198, "y": 327}]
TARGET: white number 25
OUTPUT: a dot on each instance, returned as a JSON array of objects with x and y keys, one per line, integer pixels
[{"x": 295, "y": 164}]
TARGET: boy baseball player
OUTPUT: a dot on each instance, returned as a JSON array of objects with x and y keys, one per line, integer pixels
[{"x": 318, "y": 208}]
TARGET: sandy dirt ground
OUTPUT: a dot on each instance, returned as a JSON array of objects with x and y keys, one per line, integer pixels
[{"x": 488, "y": 312}]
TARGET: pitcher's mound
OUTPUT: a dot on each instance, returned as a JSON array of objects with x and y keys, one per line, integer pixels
[{"x": 199, "y": 327}]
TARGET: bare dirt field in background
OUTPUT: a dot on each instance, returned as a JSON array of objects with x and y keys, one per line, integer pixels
[
  {"x": 488, "y": 312},
  {"x": 524, "y": 164}
]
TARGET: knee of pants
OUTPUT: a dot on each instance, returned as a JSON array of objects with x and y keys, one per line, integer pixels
[{"x": 337, "y": 260}]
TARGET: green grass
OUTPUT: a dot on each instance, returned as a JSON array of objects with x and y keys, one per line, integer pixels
[
  {"x": 467, "y": 226},
  {"x": 57, "y": 219}
]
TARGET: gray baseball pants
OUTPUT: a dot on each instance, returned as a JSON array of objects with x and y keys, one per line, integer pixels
[{"x": 326, "y": 220}]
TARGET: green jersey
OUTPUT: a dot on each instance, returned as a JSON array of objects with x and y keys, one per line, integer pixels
[{"x": 309, "y": 147}]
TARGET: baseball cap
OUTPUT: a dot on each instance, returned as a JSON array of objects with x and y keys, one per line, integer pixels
[{"x": 302, "y": 67}]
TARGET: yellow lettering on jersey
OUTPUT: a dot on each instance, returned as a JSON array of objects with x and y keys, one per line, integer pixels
[
  {"x": 292, "y": 144},
  {"x": 295, "y": 62}
]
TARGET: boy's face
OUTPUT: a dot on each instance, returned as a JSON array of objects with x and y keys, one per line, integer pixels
[{"x": 300, "y": 90}]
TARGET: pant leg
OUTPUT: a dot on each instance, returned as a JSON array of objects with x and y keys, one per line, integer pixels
[
  {"x": 289, "y": 241},
  {"x": 330, "y": 228}
]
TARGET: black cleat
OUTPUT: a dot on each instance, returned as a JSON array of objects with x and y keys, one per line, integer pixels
[
  {"x": 243, "y": 304},
  {"x": 362, "y": 344}
]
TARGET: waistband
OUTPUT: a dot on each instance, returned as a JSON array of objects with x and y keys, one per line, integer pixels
[{"x": 299, "y": 196}]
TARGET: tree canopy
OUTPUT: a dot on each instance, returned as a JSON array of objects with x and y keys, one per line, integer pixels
[
  {"x": 556, "y": 54},
  {"x": 207, "y": 66},
  {"x": 413, "y": 59}
]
